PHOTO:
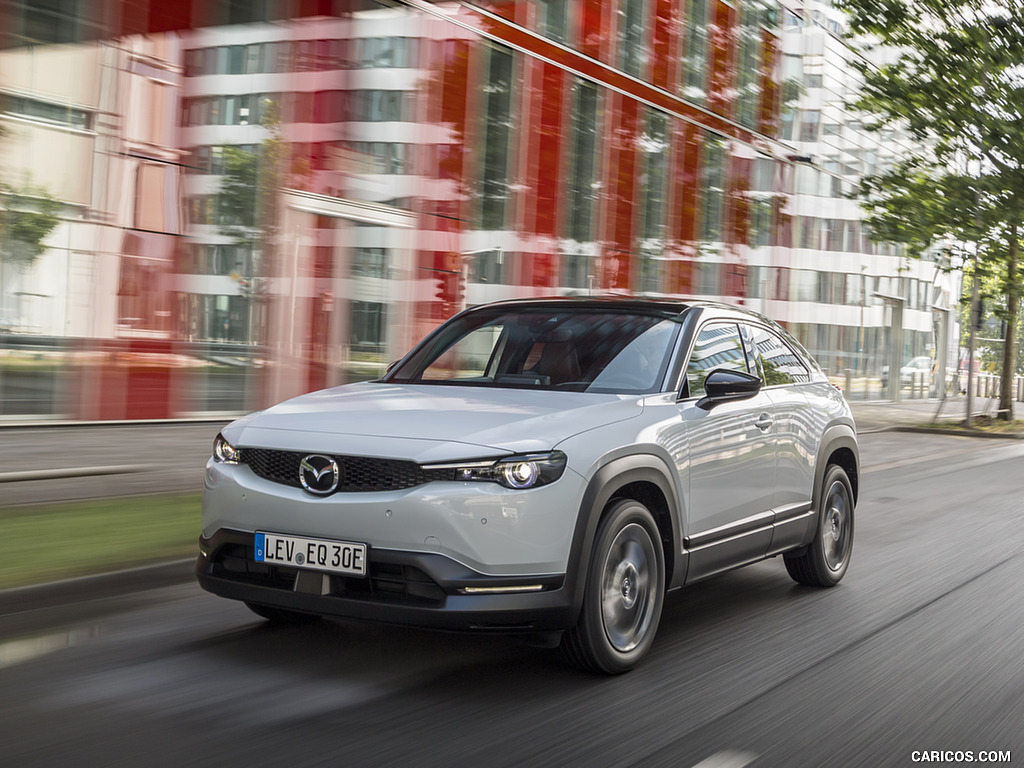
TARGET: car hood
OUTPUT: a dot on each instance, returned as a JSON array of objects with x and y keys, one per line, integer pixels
[{"x": 431, "y": 423}]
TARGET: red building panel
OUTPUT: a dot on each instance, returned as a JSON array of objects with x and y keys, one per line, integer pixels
[
  {"x": 546, "y": 104},
  {"x": 321, "y": 309},
  {"x": 683, "y": 210},
  {"x": 686, "y": 156},
  {"x": 449, "y": 90},
  {"x": 768, "y": 119},
  {"x": 123, "y": 379},
  {"x": 738, "y": 214},
  {"x": 737, "y": 226},
  {"x": 734, "y": 281},
  {"x": 512, "y": 10},
  {"x": 592, "y": 24},
  {"x": 625, "y": 128},
  {"x": 721, "y": 93},
  {"x": 666, "y": 25},
  {"x": 541, "y": 198},
  {"x": 146, "y": 17}
]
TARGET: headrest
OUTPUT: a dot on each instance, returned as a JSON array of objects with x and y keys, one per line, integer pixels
[{"x": 558, "y": 335}]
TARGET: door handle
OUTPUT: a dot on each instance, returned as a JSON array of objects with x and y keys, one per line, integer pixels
[{"x": 764, "y": 422}]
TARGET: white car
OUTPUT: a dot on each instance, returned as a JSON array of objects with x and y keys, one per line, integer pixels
[
  {"x": 548, "y": 468},
  {"x": 918, "y": 371}
]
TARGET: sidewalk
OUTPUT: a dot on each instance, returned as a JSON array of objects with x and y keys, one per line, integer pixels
[{"x": 878, "y": 416}]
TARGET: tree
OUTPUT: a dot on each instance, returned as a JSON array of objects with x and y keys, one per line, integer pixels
[
  {"x": 949, "y": 72},
  {"x": 247, "y": 206},
  {"x": 26, "y": 218}
]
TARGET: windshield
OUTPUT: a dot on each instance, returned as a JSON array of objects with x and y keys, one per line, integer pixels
[{"x": 583, "y": 350}]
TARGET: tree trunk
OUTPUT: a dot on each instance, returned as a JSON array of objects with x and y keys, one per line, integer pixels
[{"x": 1007, "y": 390}]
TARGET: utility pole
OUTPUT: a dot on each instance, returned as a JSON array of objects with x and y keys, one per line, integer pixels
[{"x": 973, "y": 318}]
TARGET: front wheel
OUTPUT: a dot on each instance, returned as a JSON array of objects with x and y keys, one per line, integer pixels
[
  {"x": 824, "y": 561},
  {"x": 624, "y": 591}
]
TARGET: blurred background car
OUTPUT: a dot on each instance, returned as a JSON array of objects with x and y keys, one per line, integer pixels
[{"x": 917, "y": 372}]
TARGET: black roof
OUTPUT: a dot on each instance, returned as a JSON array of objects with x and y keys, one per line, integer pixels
[
  {"x": 622, "y": 303},
  {"x": 601, "y": 303}
]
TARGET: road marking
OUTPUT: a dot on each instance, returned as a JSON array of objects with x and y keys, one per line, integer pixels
[
  {"x": 729, "y": 758},
  {"x": 865, "y": 468},
  {"x": 964, "y": 459}
]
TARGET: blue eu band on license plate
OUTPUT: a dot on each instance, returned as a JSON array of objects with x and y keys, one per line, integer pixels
[{"x": 345, "y": 557}]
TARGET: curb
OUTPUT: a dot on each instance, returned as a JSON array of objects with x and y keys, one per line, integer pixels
[
  {"x": 959, "y": 432},
  {"x": 213, "y": 418},
  {"x": 104, "y": 585},
  {"x": 59, "y": 474}
]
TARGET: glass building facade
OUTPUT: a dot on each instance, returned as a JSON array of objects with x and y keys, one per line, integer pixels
[{"x": 254, "y": 203}]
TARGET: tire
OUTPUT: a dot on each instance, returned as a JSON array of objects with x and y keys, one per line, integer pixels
[
  {"x": 282, "y": 615},
  {"x": 824, "y": 561},
  {"x": 623, "y": 594}
]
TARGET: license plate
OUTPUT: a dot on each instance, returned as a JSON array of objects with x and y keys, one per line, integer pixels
[{"x": 316, "y": 554}]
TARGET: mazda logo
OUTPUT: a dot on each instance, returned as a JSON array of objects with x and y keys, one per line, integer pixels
[{"x": 319, "y": 474}]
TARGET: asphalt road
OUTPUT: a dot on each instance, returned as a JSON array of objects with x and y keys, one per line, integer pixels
[
  {"x": 44, "y": 464},
  {"x": 920, "y": 648}
]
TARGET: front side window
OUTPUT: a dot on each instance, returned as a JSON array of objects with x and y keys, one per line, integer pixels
[
  {"x": 468, "y": 359},
  {"x": 575, "y": 350},
  {"x": 718, "y": 346}
]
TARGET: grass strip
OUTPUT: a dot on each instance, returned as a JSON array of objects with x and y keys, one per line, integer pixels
[
  {"x": 979, "y": 424},
  {"x": 60, "y": 541}
]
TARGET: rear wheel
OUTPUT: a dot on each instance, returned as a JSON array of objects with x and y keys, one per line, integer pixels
[
  {"x": 824, "y": 561},
  {"x": 282, "y": 615},
  {"x": 623, "y": 595}
]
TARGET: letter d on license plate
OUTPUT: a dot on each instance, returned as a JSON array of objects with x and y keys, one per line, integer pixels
[{"x": 345, "y": 557}]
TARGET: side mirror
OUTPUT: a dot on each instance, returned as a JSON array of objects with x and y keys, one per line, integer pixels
[{"x": 724, "y": 386}]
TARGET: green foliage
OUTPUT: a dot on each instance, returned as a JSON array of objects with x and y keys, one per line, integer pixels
[
  {"x": 238, "y": 191},
  {"x": 951, "y": 74},
  {"x": 248, "y": 190},
  {"x": 953, "y": 81},
  {"x": 26, "y": 218}
]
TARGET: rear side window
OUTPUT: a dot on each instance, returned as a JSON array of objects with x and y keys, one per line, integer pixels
[
  {"x": 778, "y": 363},
  {"x": 717, "y": 346}
]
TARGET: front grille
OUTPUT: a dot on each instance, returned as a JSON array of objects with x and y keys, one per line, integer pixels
[{"x": 357, "y": 473}]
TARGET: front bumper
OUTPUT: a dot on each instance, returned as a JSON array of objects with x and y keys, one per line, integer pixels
[{"x": 407, "y": 588}]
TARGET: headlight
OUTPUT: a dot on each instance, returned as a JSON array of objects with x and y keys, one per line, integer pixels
[
  {"x": 517, "y": 472},
  {"x": 224, "y": 452}
]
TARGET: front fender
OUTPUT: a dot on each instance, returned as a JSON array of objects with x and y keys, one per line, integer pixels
[
  {"x": 839, "y": 438},
  {"x": 604, "y": 485}
]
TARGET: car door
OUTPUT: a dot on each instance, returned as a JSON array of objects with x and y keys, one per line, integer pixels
[
  {"x": 732, "y": 461},
  {"x": 797, "y": 432}
]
